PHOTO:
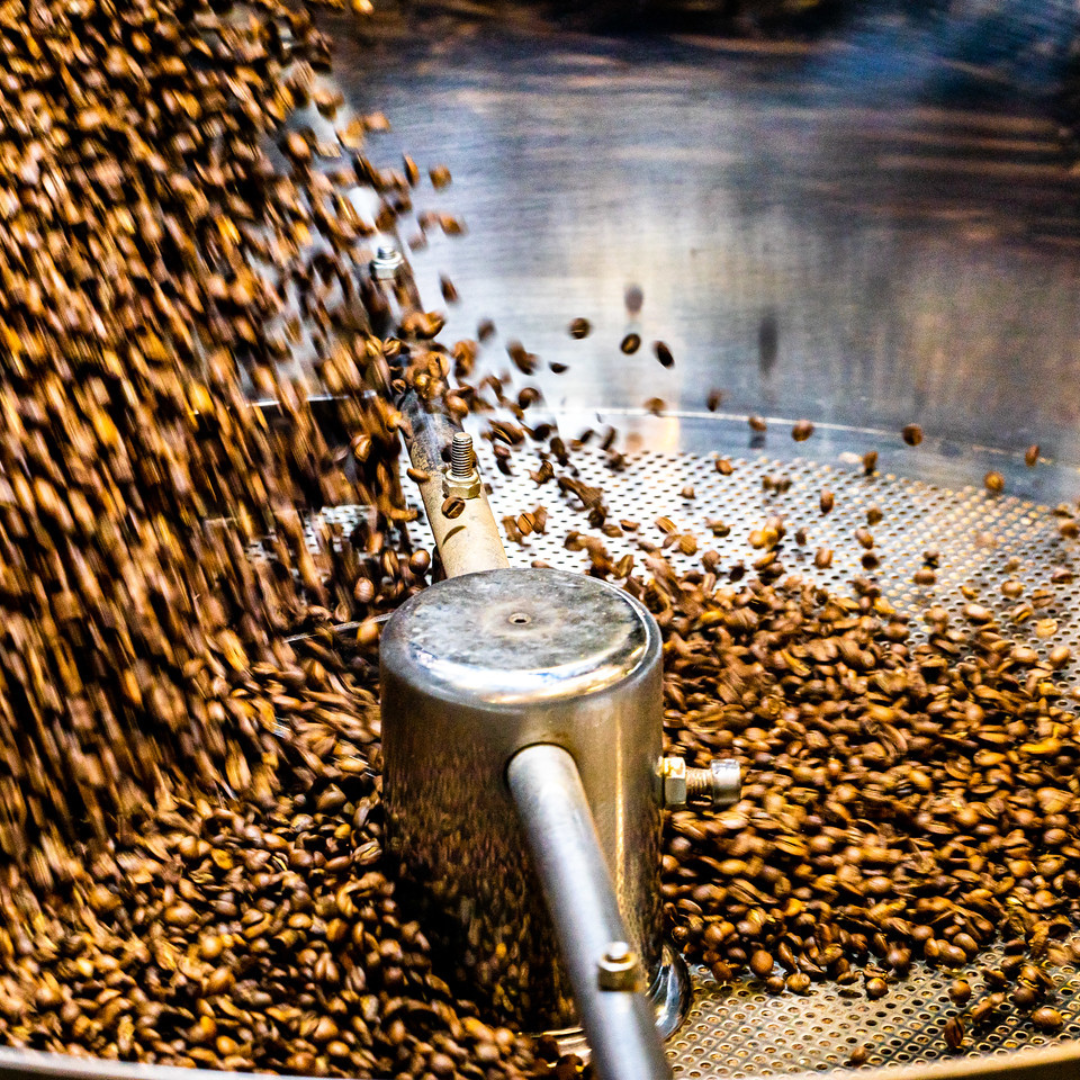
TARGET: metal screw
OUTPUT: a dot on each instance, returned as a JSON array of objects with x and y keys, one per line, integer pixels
[
  {"x": 387, "y": 263},
  {"x": 462, "y": 478},
  {"x": 618, "y": 968},
  {"x": 720, "y": 784},
  {"x": 461, "y": 456}
]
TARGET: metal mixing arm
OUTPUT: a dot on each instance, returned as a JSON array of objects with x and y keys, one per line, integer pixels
[
  {"x": 469, "y": 542},
  {"x": 606, "y": 976}
]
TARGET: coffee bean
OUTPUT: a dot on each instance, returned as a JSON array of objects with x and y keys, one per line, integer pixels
[
  {"x": 1047, "y": 1019},
  {"x": 761, "y": 963},
  {"x": 954, "y": 1032},
  {"x": 580, "y": 328},
  {"x": 663, "y": 354},
  {"x": 630, "y": 344},
  {"x": 448, "y": 290},
  {"x": 994, "y": 482},
  {"x": 802, "y": 430},
  {"x": 912, "y": 434},
  {"x": 1031, "y": 456}
]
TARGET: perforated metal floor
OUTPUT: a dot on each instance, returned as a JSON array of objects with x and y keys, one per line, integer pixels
[{"x": 738, "y": 1030}]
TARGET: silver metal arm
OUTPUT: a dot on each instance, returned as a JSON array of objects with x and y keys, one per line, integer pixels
[{"x": 619, "y": 1023}]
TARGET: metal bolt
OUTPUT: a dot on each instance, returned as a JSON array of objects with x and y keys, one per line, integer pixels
[
  {"x": 461, "y": 456},
  {"x": 720, "y": 784},
  {"x": 462, "y": 478},
  {"x": 387, "y": 263},
  {"x": 618, "y": 969}
]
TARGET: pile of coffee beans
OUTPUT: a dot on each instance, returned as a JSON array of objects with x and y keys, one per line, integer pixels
[
  {"x": 905, "y": 802},
  {"x": 190, "y": 832}
]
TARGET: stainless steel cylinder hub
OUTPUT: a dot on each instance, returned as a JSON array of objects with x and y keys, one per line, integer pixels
[{"x": 475, "y": 670}]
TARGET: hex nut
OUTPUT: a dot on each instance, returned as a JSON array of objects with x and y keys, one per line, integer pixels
[
  {"x": 619, "y": 969},
  {"x": 673, "y": 773}
]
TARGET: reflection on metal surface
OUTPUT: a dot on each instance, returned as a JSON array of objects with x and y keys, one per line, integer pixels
[{"x": 911, "y": 233}]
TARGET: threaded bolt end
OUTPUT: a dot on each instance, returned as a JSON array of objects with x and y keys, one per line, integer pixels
[
  {"x": 461, "y": 455},
  {"x": 698, "y": 784},
  {"x": 718, "y": 785}
]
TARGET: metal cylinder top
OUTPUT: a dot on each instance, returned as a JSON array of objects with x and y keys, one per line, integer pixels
[{"x": 518, "y": 636}]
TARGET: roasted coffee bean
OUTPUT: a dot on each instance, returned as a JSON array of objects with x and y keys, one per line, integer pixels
[
  {"x": 869, "y": 462},
  {"x": 761, "y": 963},
  {"x": 994, "y": 482},
  {"x": 453, "y": 506},
  {"x": 1047, "y": 1019},
  {"x": 630, "y": 344},
  {"x": 663, "y": 354},
  {"x": 1031, "y": 456},
  {"x": 912, "y": 434},
  {"x": 714, "y": 400},
  {"x": 859, "y": 1056},
  {"x": 826, "y": 501},
  {"x": 802, "y": 430},
  {"x": 757, "y": 423},
  {"x": 580, "y": 328},
  {"x": 634, "y": 298},
  {"x": 448, "y": 289},
  {"x": 954, "y": 1032},
  {"x": 960, "y": 991}
]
